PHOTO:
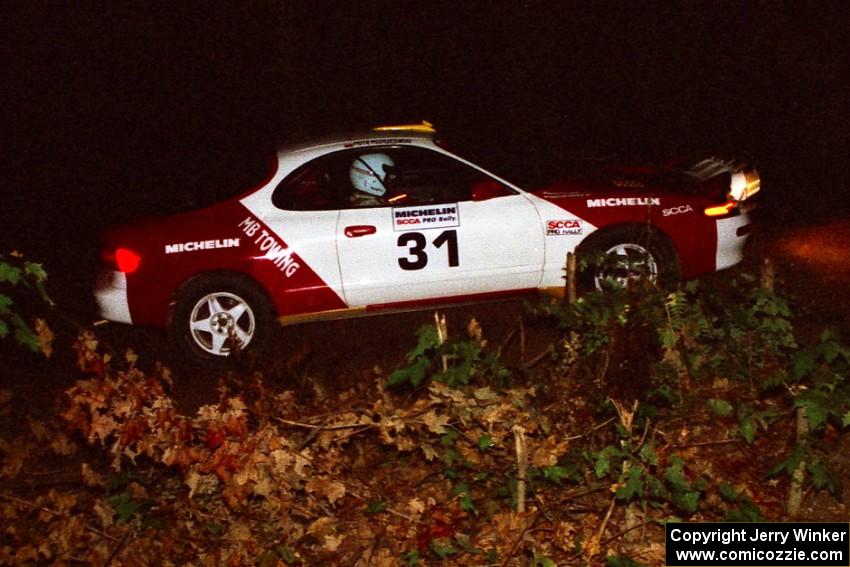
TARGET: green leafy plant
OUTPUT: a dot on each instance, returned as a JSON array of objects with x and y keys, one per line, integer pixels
[
  {"x": 125, "y": 506},
  {"x": 420, "y": 359},
  {"x": 822, "y": 369},
  {"x": 639, "y": 476},
  {"x": 453, "y": 361},
  {"x": 820, "y": 391},
  {"x": 19, "y": 278},
  {"x": 744, "y": 509}
]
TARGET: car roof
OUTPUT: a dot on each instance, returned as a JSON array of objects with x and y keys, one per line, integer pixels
[{"x": 400, "y": 133}]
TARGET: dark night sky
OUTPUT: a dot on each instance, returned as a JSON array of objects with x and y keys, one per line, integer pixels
[{"x": 125, "y": 105}]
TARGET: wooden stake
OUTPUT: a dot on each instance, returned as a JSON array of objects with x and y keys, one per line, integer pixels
[
  {"x": 768, "y": 275},
  {"x": 521, "y": 467},
  {"x": 571, "y": 278},
  {"x": 627, "y": 421},
  {"x": 798, "y": 477},
  {"x": 442, "y": 335}
]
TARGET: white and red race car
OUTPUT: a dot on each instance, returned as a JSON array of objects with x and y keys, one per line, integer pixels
[{"x": 390, "y": 220}]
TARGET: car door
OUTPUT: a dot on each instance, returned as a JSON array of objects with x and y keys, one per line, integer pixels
[{"x": 443, "y": 229}]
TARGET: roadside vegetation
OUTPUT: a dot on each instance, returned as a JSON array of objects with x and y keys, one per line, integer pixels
[{"x": 699, "y": 404}]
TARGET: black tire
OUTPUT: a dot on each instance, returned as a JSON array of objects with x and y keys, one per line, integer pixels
[
  {"x": 212, "y": 311},
  {"x": 645, "y": 253}
]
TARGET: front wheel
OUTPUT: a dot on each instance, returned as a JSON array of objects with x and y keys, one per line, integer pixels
[
  {"x": 623, "y": 255},
  {"x": 216, "y": 316}
]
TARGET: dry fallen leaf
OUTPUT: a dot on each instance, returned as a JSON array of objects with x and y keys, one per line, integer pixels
[
  {"x": 321, "y": 526},
  {"x": 332, "y": 542},
  {"x": 546, "y": 454},
  {"x": 16, "y": 452},
  {"x": 415, "y": 505},
  {"x": 435, "y": 423},
  {"x": 239, "y": 531},
  {"x": 105, "y": 514},
  {"x": 331, "y": 489},
  {"x": 201, "y": 484},
  {"x": 45, "y": 337},
  {"x": 90, "y": 477}
]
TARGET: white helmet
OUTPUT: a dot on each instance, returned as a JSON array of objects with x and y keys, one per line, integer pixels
[{"x": 368, "y": 174}]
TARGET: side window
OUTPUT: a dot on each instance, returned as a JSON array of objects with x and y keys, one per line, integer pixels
[
  {"x": 427, "y": 177},
  {"x": 383, "y": 176},
  {"x": 424, "y": 177}
]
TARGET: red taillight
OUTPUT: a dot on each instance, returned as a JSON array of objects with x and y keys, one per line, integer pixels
[
  {"x": 720, "y": 210},
  {"x": 127, "y": 261}
]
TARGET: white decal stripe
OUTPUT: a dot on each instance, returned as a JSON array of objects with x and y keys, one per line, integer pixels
[{"x": 310, "y": 234}]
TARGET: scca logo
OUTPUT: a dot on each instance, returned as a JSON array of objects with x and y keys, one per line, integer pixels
[
  {"x": 563, "y": 227},
  {"x": 677, "y": 210},
  {"x": 557, "y": 224}
]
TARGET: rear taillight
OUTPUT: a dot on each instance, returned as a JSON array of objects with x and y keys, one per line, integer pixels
[
  {"x": 720, "y": 210},
  {"x": 126, "y": 260}
]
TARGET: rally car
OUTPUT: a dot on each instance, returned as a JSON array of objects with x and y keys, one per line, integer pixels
[{"x": 389, "y": 219}]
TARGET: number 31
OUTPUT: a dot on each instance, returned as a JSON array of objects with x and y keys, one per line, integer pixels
[{"x": 415, "y": 243}]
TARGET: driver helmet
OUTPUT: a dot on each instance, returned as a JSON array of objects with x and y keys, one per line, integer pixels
[{"x": 368, "y": 173}]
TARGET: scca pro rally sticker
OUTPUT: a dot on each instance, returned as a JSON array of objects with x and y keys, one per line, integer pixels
[
  {"x": 275, "y": 250},
  {"x": 425, "y": 217},
  {"x": 563, "y": 227}
]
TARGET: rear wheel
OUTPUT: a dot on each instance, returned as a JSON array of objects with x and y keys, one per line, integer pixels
[
  {"x": 622, "y": 255},
  {"x": 216, "y": 316}
]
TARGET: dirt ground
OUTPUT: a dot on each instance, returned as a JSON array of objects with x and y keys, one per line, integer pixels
[{"x": 814, "y": 265}]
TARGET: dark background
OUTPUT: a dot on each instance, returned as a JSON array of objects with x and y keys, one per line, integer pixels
[{"x": 116, "y": 110}]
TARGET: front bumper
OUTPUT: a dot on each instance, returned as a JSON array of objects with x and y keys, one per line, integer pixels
[{"x": 732, "y": 234}]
